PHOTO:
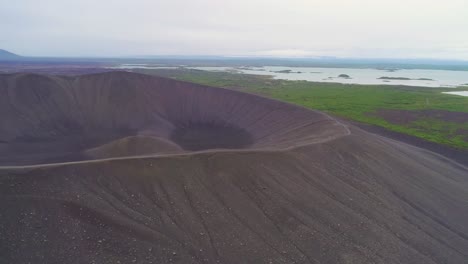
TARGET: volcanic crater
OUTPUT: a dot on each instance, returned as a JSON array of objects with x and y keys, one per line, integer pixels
[
  {"x": 58, "y": 119},
  {"x": 121, "y": 167}
]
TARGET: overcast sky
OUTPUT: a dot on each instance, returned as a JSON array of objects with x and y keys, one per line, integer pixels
[{"x": 286, "y": 28}]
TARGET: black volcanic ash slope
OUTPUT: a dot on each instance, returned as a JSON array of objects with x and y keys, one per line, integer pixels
[{"x": 231, "y": 178}]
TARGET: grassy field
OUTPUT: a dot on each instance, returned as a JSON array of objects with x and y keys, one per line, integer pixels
[{"x": 360, "y": 103}]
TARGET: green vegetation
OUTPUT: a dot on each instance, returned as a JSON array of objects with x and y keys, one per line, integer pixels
[
  {"x": 448, "y": 133},
  {"x": 355, "y": 102}
]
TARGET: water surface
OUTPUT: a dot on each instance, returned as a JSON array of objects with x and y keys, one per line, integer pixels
[{"x": 410, "y": 77}]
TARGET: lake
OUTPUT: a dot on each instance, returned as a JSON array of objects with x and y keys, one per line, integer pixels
[
  {"x": 413, "y": 77},
  {"x": 385, "y": 76}
]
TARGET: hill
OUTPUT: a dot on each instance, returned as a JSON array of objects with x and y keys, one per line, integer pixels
[
  {"x": 155, "y": 170},
  {"x": 7, "y": 56}
]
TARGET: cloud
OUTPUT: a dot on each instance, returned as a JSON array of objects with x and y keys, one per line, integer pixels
[
  {"x": 285, "y": 53},
  {"x": 353, "y": 28}
]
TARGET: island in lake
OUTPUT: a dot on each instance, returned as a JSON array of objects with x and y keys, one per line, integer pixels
[
  {"x": 344, "y": 76},
  {"x": 404, "y": 78},
  {"x": 286, "y": 71},
  {"x": 388, "y": 69}
]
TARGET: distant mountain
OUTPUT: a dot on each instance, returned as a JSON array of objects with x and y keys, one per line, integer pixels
[{"x": 6, "y": 55}]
